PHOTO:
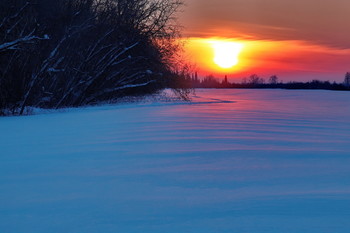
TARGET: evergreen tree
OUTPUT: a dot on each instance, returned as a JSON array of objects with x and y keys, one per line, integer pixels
[{"x": 347, "y": 79}]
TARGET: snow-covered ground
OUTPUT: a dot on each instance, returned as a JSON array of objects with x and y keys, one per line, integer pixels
[{"x": 247, "y": 161}]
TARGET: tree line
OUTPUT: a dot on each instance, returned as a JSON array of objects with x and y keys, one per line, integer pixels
[
  {"x": 255, "y": 81},
  {"x": 59, "y": 53}
]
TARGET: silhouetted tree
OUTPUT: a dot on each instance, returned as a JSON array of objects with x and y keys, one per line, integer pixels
[
  {"x": 195, "y": 82},
  {"x": 210, "y": 81},
  {"x": 273, "y": 80},
  {"x": 254, "y": 79},
  {"x": 347, "y": 79}
]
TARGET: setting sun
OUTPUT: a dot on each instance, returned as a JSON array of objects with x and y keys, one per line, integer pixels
[
  {"x": 226, "y": 53},
  {"x": 218, "y": 56}
]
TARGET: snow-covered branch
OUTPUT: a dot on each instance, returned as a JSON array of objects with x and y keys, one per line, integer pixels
[
  {"x": 13, "y": 45},
  {"x": 111, "y": 90}
]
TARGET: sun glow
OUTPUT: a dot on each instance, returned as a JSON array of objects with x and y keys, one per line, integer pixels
[
  {"x": 287, "y": 59},
  {"x": 218, "y": 56},
  {"x": 226, "y": 53}
]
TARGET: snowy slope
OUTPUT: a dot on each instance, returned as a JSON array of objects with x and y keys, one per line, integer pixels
[{"x": 230, "y": 161}]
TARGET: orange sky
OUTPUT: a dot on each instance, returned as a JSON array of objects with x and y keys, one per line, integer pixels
[{"x": 296, "y": 40}]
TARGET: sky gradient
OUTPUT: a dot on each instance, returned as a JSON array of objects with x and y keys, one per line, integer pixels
[{"x": 295, "y": 39}]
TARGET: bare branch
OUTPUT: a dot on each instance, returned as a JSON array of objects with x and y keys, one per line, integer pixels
[
  {"x": 12, "y": 45},
  {"x": 111, "y": 90}
]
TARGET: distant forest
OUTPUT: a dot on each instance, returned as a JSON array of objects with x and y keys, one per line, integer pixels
[
  {"x": 254, "y": 81},
  {"x": 60, "y": 53}
]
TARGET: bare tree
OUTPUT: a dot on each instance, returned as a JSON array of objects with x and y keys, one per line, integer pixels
[
  {"x": 77, "y": 52},
  {"x": 273, "y": 80},
  {"x": 254, "y": 79}
]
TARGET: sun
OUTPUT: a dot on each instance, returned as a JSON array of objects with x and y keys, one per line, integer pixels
[{"x": 226, "y": 53}]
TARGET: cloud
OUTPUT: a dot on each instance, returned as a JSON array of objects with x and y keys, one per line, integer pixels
[
  {"x": 290, "y": 60},
  {"x": 319, "y": 22}
]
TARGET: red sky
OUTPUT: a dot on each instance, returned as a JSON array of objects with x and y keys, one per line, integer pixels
[{"x": 294, "y": 39}]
